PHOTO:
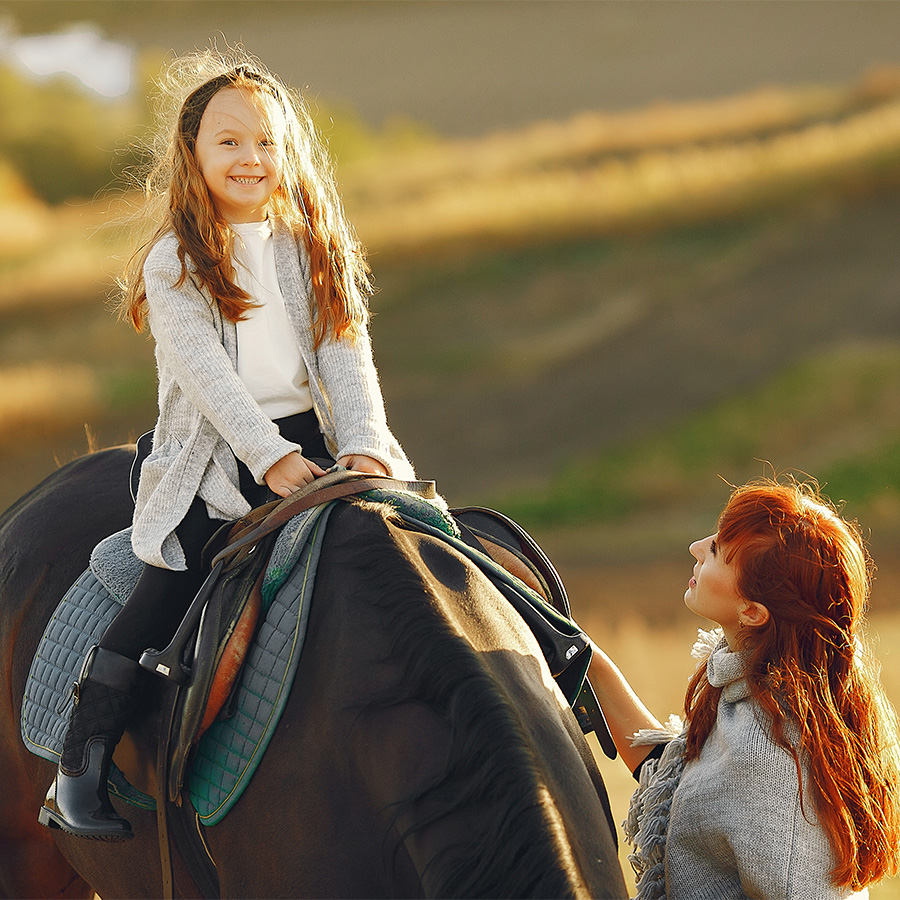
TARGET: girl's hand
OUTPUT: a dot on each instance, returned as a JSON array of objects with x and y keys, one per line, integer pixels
[
  {"x": 363, "y": 464},
  {"x": 291, "y": 473}
]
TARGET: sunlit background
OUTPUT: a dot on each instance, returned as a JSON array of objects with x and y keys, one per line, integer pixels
[{"x": 627, "y": 253}]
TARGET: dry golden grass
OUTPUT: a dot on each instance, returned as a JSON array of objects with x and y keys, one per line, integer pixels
[
  {"x": 44, "y": 398},
  {"x": 602, "y": 172},
  {"x": 593, "y": 134},
  {"x": 612, "y": 192},
  {"x": 59, "y": 256}
]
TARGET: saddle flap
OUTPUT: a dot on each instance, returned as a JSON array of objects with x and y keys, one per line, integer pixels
[
  {"x": 226, "y": 629},
  {"x": 499, "y": 529}
]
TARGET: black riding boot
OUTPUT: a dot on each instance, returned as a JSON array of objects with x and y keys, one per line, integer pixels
[{"x": 78, "y": 801}]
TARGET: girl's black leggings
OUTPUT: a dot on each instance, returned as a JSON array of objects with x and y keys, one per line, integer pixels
[{"x": 161, "y": 597}]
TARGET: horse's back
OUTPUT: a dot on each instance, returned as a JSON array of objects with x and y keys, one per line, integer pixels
[
  {"x": 423, "y": 710},
  {"x": 45, "y": 542},
  {"x": 94, "y": 488}
]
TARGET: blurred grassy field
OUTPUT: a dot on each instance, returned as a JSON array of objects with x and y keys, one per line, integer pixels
[{"x": 593, "y": 324}]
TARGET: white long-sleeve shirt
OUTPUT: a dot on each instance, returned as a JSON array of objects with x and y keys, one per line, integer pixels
[{"x": 269, "y": 361}]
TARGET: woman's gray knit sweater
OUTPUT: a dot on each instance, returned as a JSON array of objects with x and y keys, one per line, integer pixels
[
  {"x": 737, "y": 827},
  {"x": 207, "y": 416}
]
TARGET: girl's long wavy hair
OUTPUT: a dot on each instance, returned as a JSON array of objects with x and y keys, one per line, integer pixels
[
  {"x": 176, "y": 199},
  {"x": 810, "y": 668}
]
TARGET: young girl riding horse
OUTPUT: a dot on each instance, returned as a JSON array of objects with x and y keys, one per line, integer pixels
[
  {"x": 785, "y": 784},
  {"x": 255, "y": 291}
]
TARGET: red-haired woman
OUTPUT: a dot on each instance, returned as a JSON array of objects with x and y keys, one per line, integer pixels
[{"x": 785, "y": 783}]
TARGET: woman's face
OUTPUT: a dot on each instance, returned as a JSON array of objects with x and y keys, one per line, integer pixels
[
  {"x": 712, "y": 591},
  {"x": 238, "y": 152}
]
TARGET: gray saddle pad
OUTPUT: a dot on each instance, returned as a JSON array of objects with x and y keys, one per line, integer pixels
[
  {"x": 77, "y": 624},
  {"x": 229, "y": 752}
]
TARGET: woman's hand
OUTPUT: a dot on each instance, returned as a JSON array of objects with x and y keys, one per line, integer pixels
[
  {"x": 363, "y": 464},
  {"x": 291, "y": 473},
  {"x": 625, "y": 712}
]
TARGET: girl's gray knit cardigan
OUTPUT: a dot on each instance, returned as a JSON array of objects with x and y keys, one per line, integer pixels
[
  {"x": 207, "y": 417},
  {"x": 731, "y": 823}
]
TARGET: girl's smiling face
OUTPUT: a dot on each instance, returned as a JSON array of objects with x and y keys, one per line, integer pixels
[
  {"x": 237, "y": 151},
  {"x": 712, "y": 591}
]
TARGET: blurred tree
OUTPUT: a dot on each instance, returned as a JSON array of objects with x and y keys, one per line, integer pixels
[
  {"x": 68, "y": 142},
  {"x": 62, "y": 140}
]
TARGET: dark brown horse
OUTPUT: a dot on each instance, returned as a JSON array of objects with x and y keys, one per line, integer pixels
[{"x": 424, "y": 749}]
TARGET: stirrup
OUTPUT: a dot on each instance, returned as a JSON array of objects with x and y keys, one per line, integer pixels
[{"x": 169, "y": 662}]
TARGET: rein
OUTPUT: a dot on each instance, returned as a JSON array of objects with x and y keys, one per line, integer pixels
[{"x": 272, "y": 516}]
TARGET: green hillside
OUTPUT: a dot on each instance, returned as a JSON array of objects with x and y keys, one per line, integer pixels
[{"x": 599, "y": 368}]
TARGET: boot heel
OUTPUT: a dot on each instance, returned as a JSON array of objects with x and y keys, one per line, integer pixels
[
  {"x": 78, "y": 799},
  {"x": 46, "y": 818}
]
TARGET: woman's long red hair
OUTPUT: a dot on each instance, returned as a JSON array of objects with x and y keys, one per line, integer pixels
[
  {"x": 176, "y": 199},
  {"x": 810, "y": 669}
]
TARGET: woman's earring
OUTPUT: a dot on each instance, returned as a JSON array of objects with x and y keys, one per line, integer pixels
[{"x": 742, "y": 623}]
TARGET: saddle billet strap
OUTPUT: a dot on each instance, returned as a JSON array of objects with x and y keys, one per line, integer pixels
[
  {"x": 313, "y": 495},
  {"x": 588, "y": 706},
  {"x": 162, "y": 825}
]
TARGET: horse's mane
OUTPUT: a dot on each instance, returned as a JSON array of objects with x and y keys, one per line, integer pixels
[{"x": 490, "y": 764}]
